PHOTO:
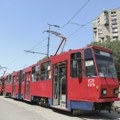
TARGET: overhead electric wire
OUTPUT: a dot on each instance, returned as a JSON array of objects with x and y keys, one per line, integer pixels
[
  {"x": 75, "y": 14},
  {"x": 46, "y": 39},
  {"x": 81, "y": 26},
  {"x": 10, "y": 63},
  {"x": 38, "y": 43},
  {"x": 58, "y": 30},
  {"x": 45, "y": 46},
  {"x": 73, "y": 18},
  {"x": 79, "y": 29}
]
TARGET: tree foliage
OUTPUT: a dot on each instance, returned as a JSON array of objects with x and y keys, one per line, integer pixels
[{"x": 115, "y": 47}]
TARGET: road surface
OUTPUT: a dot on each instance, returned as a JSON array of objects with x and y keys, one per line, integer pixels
[{"x": 16, "y": 110}]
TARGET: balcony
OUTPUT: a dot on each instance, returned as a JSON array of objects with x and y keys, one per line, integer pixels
[
  {"x": 95, "y": 30},
  {"x": 106, "y": 21},
  {"x": 115, "y": 34},
  {"x": 94, "y": 24},
  {"x": 106, "y": 18},
  {"x": 114, "y": 30},
  {"x": 114, "y": 22},
  {"x": 114, "y": 26},
  {"x": 101, "y": 36}
]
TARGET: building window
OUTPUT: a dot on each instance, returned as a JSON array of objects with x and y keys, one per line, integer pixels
[
  {"x": 114, "y": 30},
  {"x": 114, "y": 21},
  {"x": 76, "y": 65},
  {"x": 113, "y": 13},
  {"x": 105, "y": 12},
  {"x": 115, "y": 34},
  {"x": 99, "y": 30},
  {"x": 115, "y": 38},
  {"x": 98, "y": 20},
  {"x": 114, "y": 18},
  {"x": 108, "y": 37},
  {"x": 114, "y": 26},
  {"x": 46, "y": 71},
  {"x": 100, "y": 35}
]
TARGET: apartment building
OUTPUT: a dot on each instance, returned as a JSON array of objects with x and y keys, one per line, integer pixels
[{"x": 107, "y": 26}]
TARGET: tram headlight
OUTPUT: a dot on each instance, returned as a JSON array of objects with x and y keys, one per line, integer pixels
[
  {"x": 115, "y": 91},
  {"x": 104, "y": 91}
]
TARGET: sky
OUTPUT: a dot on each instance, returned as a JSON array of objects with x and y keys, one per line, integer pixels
[{"x": 23, "y": 22}]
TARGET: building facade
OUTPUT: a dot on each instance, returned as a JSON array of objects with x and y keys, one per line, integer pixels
[{"x": 107, "y": 26}]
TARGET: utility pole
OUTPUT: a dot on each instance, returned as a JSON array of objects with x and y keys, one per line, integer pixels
[
  {"x": 48, "y": 45},
  {"x": 60, "y": 36}
]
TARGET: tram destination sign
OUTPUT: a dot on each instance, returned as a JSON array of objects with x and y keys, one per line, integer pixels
[{"x": 105, "y": 53}]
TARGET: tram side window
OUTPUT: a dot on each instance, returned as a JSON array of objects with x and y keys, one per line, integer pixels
[
  {"x": 46, "y": 71},
  {"x": 14, "y": 79},
  {"x": 10, "y": 79},
  {"x": 0, "y": 82},
  {"x": 17, "y": 79},
  {"x": 76, "y": 65},
  {"x": 90, "y": 70},
  {"x": 22, "y": 76},
  {"x": 36, "y": 73}
]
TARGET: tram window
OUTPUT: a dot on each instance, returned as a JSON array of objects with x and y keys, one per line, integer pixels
[
  {"x": 22, "y": 76},
  {"x": 46, "y": 71},
  {"x": 14, "y": 79},
  {"x": 0, "y": 82},
  {"x": 9, "y": 79},
  {"x": 90, "y": 70},
  {"x": 76, "y": 65},
  {"x": 17, "y": 79},
  {"x": 36, "y": 73}
]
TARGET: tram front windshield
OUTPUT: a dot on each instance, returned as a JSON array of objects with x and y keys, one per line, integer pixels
[{"x": 106, "y": 67}]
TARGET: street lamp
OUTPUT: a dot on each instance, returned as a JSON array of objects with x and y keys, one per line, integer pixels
[{"x": 50, "y": 25}]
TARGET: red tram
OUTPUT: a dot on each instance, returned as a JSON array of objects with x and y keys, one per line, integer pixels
[
  {"x": 82, "y": 79},
  {"x": 1, "y": 85},
  {"x": 8, "y": 85}
]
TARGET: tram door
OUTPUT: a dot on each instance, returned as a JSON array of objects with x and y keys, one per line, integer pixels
[
  {"x": 59, "y": 84},
  {"x": 14, "y": 86},
  {"x": 27, "y": 86},
  {"x": 19, "y": 84}
]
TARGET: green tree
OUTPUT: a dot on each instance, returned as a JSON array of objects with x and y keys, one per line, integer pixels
[{"x": 115, "y": 47}]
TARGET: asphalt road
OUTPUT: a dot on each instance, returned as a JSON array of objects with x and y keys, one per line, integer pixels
[{"x": 16, "y": 110}]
